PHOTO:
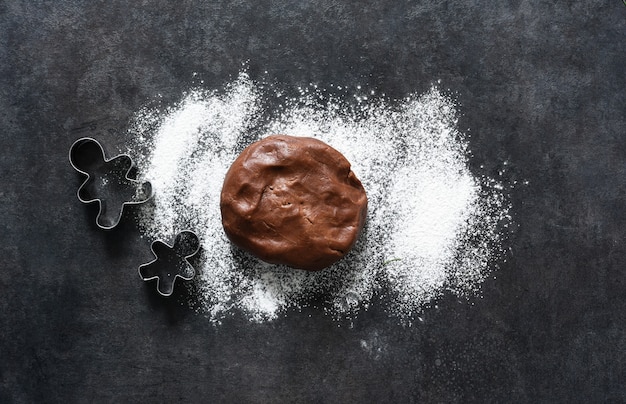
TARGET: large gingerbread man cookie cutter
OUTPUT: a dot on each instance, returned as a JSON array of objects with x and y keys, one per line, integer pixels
[{"x": 107, "y": 181}]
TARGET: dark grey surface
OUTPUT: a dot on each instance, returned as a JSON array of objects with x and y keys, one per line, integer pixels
[{"x": 540, "y": 84}]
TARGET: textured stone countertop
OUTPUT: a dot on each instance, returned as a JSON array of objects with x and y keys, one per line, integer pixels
[{"x": 540, "y": 85}]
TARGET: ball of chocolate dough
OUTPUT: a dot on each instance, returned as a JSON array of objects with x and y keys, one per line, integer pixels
[{"x": 293, "y": 201}]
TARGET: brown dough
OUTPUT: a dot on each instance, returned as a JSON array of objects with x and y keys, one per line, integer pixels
[{"x": 293, "y": 201}]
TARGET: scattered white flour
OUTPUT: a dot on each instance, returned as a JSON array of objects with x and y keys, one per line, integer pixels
[{"x": 432, "y": 225}]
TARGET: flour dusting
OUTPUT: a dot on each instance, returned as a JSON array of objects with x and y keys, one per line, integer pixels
[{"x": 432, "y": 225}]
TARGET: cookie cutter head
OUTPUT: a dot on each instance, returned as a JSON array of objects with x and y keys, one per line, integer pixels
[
  {"x": 107, "y": 181},
  {"x": 171, "y": 261}
]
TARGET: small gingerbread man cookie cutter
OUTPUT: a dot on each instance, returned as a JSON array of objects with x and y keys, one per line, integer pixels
[
  {"x": 171, "y": 261},
  {"x": 107, "y": 182}
]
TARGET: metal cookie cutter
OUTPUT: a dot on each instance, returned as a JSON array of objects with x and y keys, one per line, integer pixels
[
  {"x": 171, "y": 262},
  {"x": 107, "y": 181}
]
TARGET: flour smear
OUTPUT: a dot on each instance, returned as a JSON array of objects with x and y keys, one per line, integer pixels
[{"x": 432, "y": 225}]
